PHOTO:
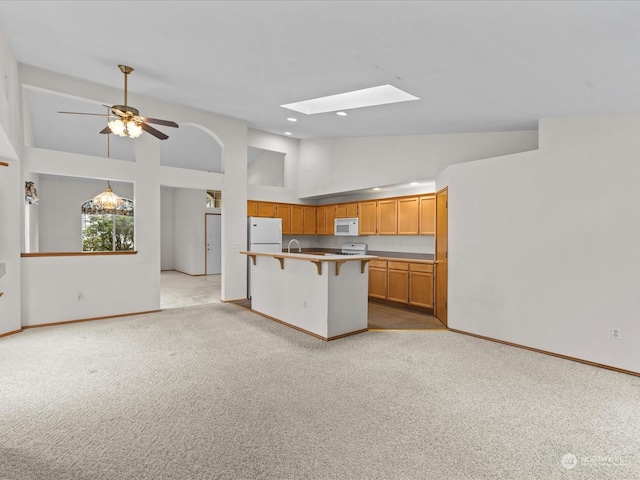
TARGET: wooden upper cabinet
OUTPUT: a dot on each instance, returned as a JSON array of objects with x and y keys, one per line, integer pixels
[
  {"x": 252, "y": 208},
  {"x": 367, "y": 218},
  {"x": 388, "y": 217},
  {"x": 261, "y": 209},
  {"x": 309, "y": 216},
  {"x": 297, "y": 220},
  {"x": 329, "y": 217},
  {"x": 283, "y": 211},
  {"x": 266, "y": 209},
  {"x": 321, "y": 225},
  {"x": 408, "y": 216},
  {"x": 352, "y": 210},
  {"x": 346, "y": 210},
  {"x": 428, "y": 215},
  {"x": 324, "y": 219}
]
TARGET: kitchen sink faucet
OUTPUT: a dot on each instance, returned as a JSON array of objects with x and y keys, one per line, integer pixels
[{"x": 290, "y": 242}]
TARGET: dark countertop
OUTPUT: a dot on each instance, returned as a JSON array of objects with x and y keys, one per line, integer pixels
[
  {"x": 427, "y": 257},
  {"x": 403, "y": 255}
]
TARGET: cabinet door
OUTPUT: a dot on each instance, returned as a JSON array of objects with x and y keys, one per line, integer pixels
[
  {"x": 297, "y": 220},
  {"x": 388, "y": 217},
  {"x": 321, "y": 226},
  {"x": 378, "y": 282},
  {"x": 398, "y": 281},
  {"x": 428, "y": 215},
  {"x": 352, "y": 210},
  {"x": 367, "y": 218},
  {"x": 408, "y": 216},
  {"x": 266, "y": 209},
  {"x": 329, "y": 217},
  {"x": 283, "y": 212},
  {"x": 341, "y": 210},
  {"x": 421, "y": 289},
  {"x": 309, "y": 221},
  {"x": 252, "y": 208}
]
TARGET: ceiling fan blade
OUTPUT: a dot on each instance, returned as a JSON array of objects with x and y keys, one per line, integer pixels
[
  {"x": 106, "y": 130},
  {"x": 167, "y": 123},
  {"x": 153, "y": 131},
  {"x": 84, "y": 113}
]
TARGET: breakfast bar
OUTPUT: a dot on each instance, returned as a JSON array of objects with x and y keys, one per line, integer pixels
[{"x": 322, "y": 295}]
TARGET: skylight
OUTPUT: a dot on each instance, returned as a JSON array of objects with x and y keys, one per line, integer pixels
[{"x": 367, "y": 97}]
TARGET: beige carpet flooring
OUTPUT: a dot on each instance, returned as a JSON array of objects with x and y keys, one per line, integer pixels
[{"x": 217, "y": 392}]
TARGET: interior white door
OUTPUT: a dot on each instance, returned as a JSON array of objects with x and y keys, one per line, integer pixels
[{"x": 214, "y": 244}]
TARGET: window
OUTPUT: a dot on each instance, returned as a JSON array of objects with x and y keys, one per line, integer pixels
[
  {"x": 214, "y": 199},
  {"x": 107, "y": 227}
]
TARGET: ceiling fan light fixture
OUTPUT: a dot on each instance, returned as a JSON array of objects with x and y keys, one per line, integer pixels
[
  {"x": 117, "y": 127},
  {"x": 133, "y": 129},
  {"x": 126, "y": 128}
]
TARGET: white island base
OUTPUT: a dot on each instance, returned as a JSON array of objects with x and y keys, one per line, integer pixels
[{"x": 324, "y": 296}]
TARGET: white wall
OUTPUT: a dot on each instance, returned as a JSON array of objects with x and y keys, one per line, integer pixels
[
  {"x": 337, "y": 165},
  {"x": 543, "y": 246},
  {"x": 277, "y": 143},
  {"x": 11, "y": 190},
  {"x": 267, "y": 168},
  {"x": 31, "y": 218}
]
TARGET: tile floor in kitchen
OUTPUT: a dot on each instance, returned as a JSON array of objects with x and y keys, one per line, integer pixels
[{"x": 181, "y": 290}]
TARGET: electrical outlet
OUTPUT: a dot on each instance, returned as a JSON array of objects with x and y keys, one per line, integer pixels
[
  {"x": 304, "y": 304},
  {"x": 80, "y": 295},
  {"x": 616, "y": 333}
]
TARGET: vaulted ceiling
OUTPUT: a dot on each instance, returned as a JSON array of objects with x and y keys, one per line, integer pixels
[{"x": 476, "y": 66}]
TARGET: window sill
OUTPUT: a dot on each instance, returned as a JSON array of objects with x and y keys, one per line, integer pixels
[{"x": 76, "y": 254}]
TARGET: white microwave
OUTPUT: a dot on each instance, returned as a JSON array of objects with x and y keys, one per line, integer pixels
[{"x": 345, "y": 227}]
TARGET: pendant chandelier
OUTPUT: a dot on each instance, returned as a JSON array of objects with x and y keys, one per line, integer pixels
[{"x": 107, "y": 202}]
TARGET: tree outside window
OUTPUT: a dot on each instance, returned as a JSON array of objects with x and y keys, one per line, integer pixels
[{"x": 107, "y": 227}]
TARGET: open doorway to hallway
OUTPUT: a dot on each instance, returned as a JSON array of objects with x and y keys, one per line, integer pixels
[{"x": 181, "y": 290}]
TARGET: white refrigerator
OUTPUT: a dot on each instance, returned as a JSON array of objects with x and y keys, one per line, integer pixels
[{"x": 264, "y": 235}]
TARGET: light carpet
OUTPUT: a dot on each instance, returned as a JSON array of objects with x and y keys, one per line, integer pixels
[{"x": 218, "y": 392}]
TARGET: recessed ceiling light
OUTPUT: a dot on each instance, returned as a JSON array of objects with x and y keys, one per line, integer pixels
[
  {"x": 367, "y": 97},
  {"x": 342, "y": 114},
  {"x": 287, "y": 133},
  {"x": 291, "y": 119},
  {"x": 414, "y": 184},
  {"x": 377, "y": 188}
]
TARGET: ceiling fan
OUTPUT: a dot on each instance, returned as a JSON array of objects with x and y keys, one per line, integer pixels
[{"x": 125, "y": 121}]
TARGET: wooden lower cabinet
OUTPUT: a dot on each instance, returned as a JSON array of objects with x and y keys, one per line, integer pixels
[
  {"x": 421, "y": 291},
  {"x": 378, "y": 279},
  {"x": 398, "y": 282},
  {"x": 402, "y": 282}
]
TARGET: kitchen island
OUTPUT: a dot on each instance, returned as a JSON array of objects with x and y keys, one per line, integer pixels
[{"x": 322, "y": 295}]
